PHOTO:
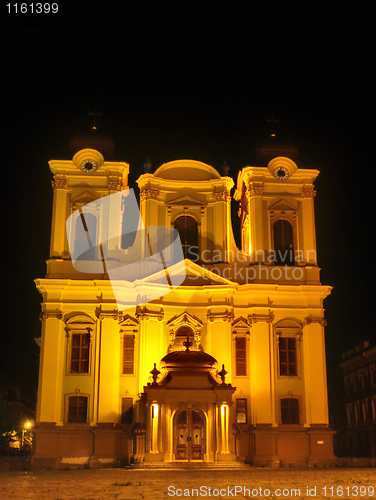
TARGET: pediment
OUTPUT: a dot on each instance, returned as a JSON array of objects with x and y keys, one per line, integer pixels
[
  {"x": 283, "y": 205},
  {"x": 79, "y": 319},
  {"x": 84, "y": 198},
  {"x": 193, "y": 274},
  {"x": 185, "y": 200},
  {"x": 128, "y": 321},
  {"x": 288, "y": 323},
  {"x": 240, "y": 323},
  {"x": 200, "y": 276},
  {"x": 184, "y": 318}
]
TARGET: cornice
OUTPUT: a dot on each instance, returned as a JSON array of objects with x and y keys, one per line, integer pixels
[
  {"x": 227, "y": 315},
  {"x": 145, "y": 314},
  {"x": 260, "y": 318},
  {"x": 114, "y": 314},
  {"x": 50, "y": 315}
]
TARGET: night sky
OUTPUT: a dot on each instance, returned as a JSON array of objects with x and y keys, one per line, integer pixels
[{"x": 190, "y": 80}]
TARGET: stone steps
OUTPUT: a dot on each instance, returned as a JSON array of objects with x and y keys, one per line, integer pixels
[{"x": 191, "y": 466}]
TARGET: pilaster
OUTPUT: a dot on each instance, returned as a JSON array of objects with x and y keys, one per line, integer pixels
[
  {"x": 108, "y": 376},
  {"x": 315, "y": 371},
  {"x": 51, "y": 368},
  {"x": 262, "y": 378}
]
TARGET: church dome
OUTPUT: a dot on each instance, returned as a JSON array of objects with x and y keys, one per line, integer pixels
[
  {"x": 186, "y": 170},
  {"x": 93, "y": 140},
  {"x": 272, "y": 148}
]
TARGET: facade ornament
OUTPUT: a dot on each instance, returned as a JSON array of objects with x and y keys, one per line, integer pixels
[
  {"x": 155, "y": 373},
  {"x": 308, "y": 193},
  {"x": 313, "y": 319},
  {"x": 221, "y": 196},
  {"x": 50, "y": 314},
  {"x": 149, "y": 194},
  {"x": 227, "y": 315},
  {"x": 256, "y": 190},
  {"x": 259, "y": 318},
  {"x": 59, "y": 184},
  {"x": 144, "y": 313},
  {"x": 127, "y": 320},
  {"x": 223, "y": 374},
  {"x": 108, "y": 315},
  {"x": 115, "y": 185},
  {"x": 187, "y": 344},
  {"x": 253, "y": 190}
]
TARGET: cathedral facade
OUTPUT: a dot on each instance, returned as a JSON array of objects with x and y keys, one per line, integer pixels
[{"x": 228, "y": 366}]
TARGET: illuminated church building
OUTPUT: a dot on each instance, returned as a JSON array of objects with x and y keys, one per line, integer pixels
[{"x": 230, "y": 365}]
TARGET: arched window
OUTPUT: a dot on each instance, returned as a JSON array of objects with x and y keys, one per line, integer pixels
[
  {"x": 187, "y": 228},
  {"x": 283, "y": 243},
  {"x": 181, "y": 336},
  {"x": 86, "y": 235}
]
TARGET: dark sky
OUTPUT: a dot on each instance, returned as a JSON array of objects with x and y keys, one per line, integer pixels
[{"x": 190, "y": 80}]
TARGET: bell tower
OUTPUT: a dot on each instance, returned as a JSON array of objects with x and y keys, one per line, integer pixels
[
  {"x": 276, "y": 212},
  {"x": 77, "y": 184}
]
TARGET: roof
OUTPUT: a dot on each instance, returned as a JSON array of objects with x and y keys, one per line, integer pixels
[
  {"x": 186, "y": 170},
  {"x": 188, "y": 359}
]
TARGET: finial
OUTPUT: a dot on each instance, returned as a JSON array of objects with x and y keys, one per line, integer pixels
[
  {"x": 223, "y": 374},
  {"x": 155, "y": 372},
  {"x": 147, "y": 165},
  {"x": 225, "y": 169},
  {"x": 272, "y": 121},
  {"x": 94, "y": 114},
  {"x": 187, "y": 344}
]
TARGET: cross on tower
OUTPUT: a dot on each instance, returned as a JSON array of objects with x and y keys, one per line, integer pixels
[
  {"x": 272, "y": 120},
  {"x": 94, "y": 115}
]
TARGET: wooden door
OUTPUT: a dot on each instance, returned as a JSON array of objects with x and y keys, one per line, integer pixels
[{"x": 189, "y": 435}]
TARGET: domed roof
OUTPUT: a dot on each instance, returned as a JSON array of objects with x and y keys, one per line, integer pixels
[
  {"x": 188, "y": 359},
  {"x": 271, "y": 148},
  {"x": 186, "y": 170},
  {"x": 93, "y": 140}
]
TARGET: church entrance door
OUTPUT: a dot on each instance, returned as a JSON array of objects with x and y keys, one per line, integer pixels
[{"x": 189, "y": 435}]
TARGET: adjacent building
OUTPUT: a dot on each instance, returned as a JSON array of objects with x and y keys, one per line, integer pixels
[{"x": 353, "y": 403}]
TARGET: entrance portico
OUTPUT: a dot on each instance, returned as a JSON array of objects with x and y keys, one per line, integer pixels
[{"x": 189, "y": 411}]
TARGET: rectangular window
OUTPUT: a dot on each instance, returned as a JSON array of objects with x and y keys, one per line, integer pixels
[
  {"x": 290, "y": 411},
  {"x": 128, "y": 354},
  {"x": 80, "y": 344},
  {"x": 77, "y": 409},
  {"x": 287, "y": 356},
  {"x": 241, "y": 356},
  {"x": 126, "y": 410},
  {"x": 241, "y": 411}
]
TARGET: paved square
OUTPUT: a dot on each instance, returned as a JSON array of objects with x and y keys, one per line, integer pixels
[{"x": 166, "y": 484}]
